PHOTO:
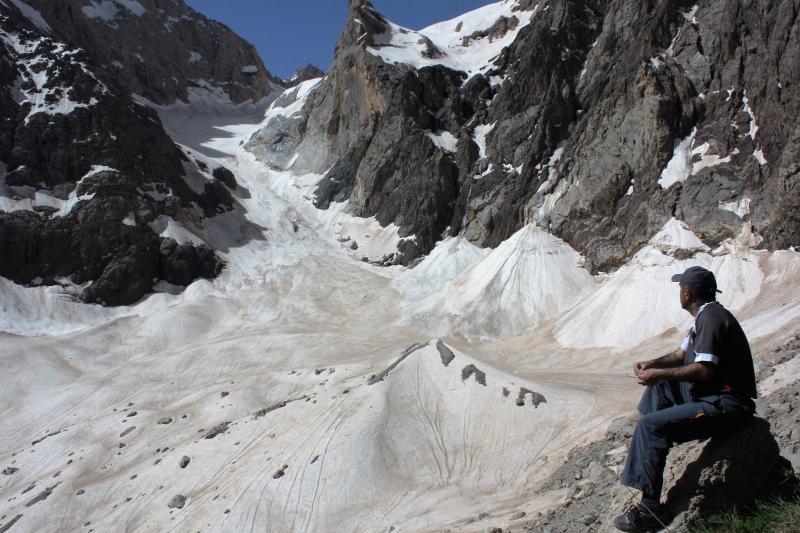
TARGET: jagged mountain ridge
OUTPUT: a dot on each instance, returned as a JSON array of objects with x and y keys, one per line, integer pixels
[
  {"x": 160, "y": 49},
  {"x": 93, "y": 192},
  {"x": 599, "y": 122}
]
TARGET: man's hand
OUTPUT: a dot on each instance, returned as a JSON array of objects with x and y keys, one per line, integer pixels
[
  {"x": 648, "y": 376},
  {"x": 694, "y": 372},
  {"x": 670, "y": 360}
]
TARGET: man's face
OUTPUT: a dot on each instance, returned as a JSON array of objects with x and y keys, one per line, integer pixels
[{"x": 684, "y": 295}]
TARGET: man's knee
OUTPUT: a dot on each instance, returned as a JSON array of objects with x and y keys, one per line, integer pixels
[
  {"x": 652, "y": 399},
  {"x": 650, "y": 421},
  {"x": 658, "y": 396},
  {"x": 649, "y": 426}
]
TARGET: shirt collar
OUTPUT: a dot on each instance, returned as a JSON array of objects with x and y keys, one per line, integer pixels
[
  {"x": 698, "y": 313},
  {"x": 701, "y": 309}
]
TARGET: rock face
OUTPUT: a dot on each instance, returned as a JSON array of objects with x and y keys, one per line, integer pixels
[
  {"x": 600, "y": 121},
  {"x": 308, "y": 72},
  {"x": 366, "y": 123},
  {"x": 160, "y": 49},
  {"x": 782, "y": 406},
  {"x": 711, "y": 478},
  {"x": 86, "y": 175},
  {"x": 702, "y": 478}
]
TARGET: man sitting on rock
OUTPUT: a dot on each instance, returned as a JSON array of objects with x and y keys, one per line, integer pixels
[{"x": 704, "y": 389}]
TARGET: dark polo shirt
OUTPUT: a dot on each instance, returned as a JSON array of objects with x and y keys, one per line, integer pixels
[{"x": 716, "y": 337}]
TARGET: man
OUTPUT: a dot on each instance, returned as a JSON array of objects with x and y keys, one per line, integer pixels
[{"x": 704, "y": 389}]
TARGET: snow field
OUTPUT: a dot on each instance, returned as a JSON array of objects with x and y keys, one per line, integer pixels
[
  {"x": 284, "y": 453},
  {"x": 295, "y": 330}
]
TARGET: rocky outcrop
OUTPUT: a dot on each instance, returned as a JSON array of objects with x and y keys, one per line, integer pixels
[
  {"x": 658, "y": 72},
  {"x": 702, "y": 478},
  {"x": 614, "y": 111},
  {"x": 498, "y": 29},
  {"x": 308, "y": 72},
  {"x": 87, "y": 174},
  {"x": 721, "y": 474},
  {"x": 160, "y": 49},
  {"x": 365, "y": 126},
  {"x": 782, "y": 406},
  {"x": 599, "y": 122}
]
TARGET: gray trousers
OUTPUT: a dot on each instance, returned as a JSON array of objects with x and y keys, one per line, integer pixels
[{"x": 669, "y": 416}]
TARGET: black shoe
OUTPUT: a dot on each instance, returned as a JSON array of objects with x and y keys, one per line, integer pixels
[{"x": 641, "y": 519}]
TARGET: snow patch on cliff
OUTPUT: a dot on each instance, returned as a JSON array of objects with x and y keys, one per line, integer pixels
[
  {"x": 707, "y": 160},
  {"x": 479, "y": 136},
  {"x": 292, "y": 101},
  {"x": 740, "y": 208},
  {"x": 675, "y": 235},
  {"x": 679, "y": 167},
  {"x": 108, "y": 10},
  {"x": 33, "y": 15},
  {"x": 444, "y": 140},
  {"x": 464, "y": 43},
  {"x": 35, "y": 68}
]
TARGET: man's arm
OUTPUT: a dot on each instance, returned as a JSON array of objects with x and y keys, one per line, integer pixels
[
  {"x": 693, "y": 372},
  {"x": 665, "y": 361}
]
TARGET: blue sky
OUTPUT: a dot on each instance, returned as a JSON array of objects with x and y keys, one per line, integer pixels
[{"x": 289, "y": 34}]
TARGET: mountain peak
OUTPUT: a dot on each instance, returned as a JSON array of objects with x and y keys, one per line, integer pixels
[
  {"x": 160, "y": 50},
  {"x": 363, "y": 24},
  {"x": 354, "y": 5},
  {"x": 308, "y": 72}
]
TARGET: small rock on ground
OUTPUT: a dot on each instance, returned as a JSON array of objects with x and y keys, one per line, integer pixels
[
  {"x": 177, "y": 502},
  {"x": 280, "y": 473}
]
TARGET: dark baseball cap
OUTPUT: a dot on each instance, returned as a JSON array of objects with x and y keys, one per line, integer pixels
[{"x": 701, "y": 281}]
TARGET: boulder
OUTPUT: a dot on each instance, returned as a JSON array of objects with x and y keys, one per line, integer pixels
[
  {"x": 225, "y": 176},
  {"x": 717, "y": 475},
  {"x": 183, "y": 263},
  {"x": 702, "y": 478}
]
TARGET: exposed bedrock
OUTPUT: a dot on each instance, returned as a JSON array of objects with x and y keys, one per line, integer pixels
[
  {"x": 702, "y": 478},
  {"x": 364, "y": 126},
  {"x": 160, "y": 49},
  {"x": 92, "y": 244},
  {"x": 308, "y": 72},
  {"x": 711, "y": 478},
  {"x": 87, "y": 177},
  {"x": 571, "y": 128}
]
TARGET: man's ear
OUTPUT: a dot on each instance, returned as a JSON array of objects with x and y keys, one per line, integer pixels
[{"x": 689, "y": 294}]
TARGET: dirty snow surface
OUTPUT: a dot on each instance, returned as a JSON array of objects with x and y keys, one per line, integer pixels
[{"x": 308, "y": 390}]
